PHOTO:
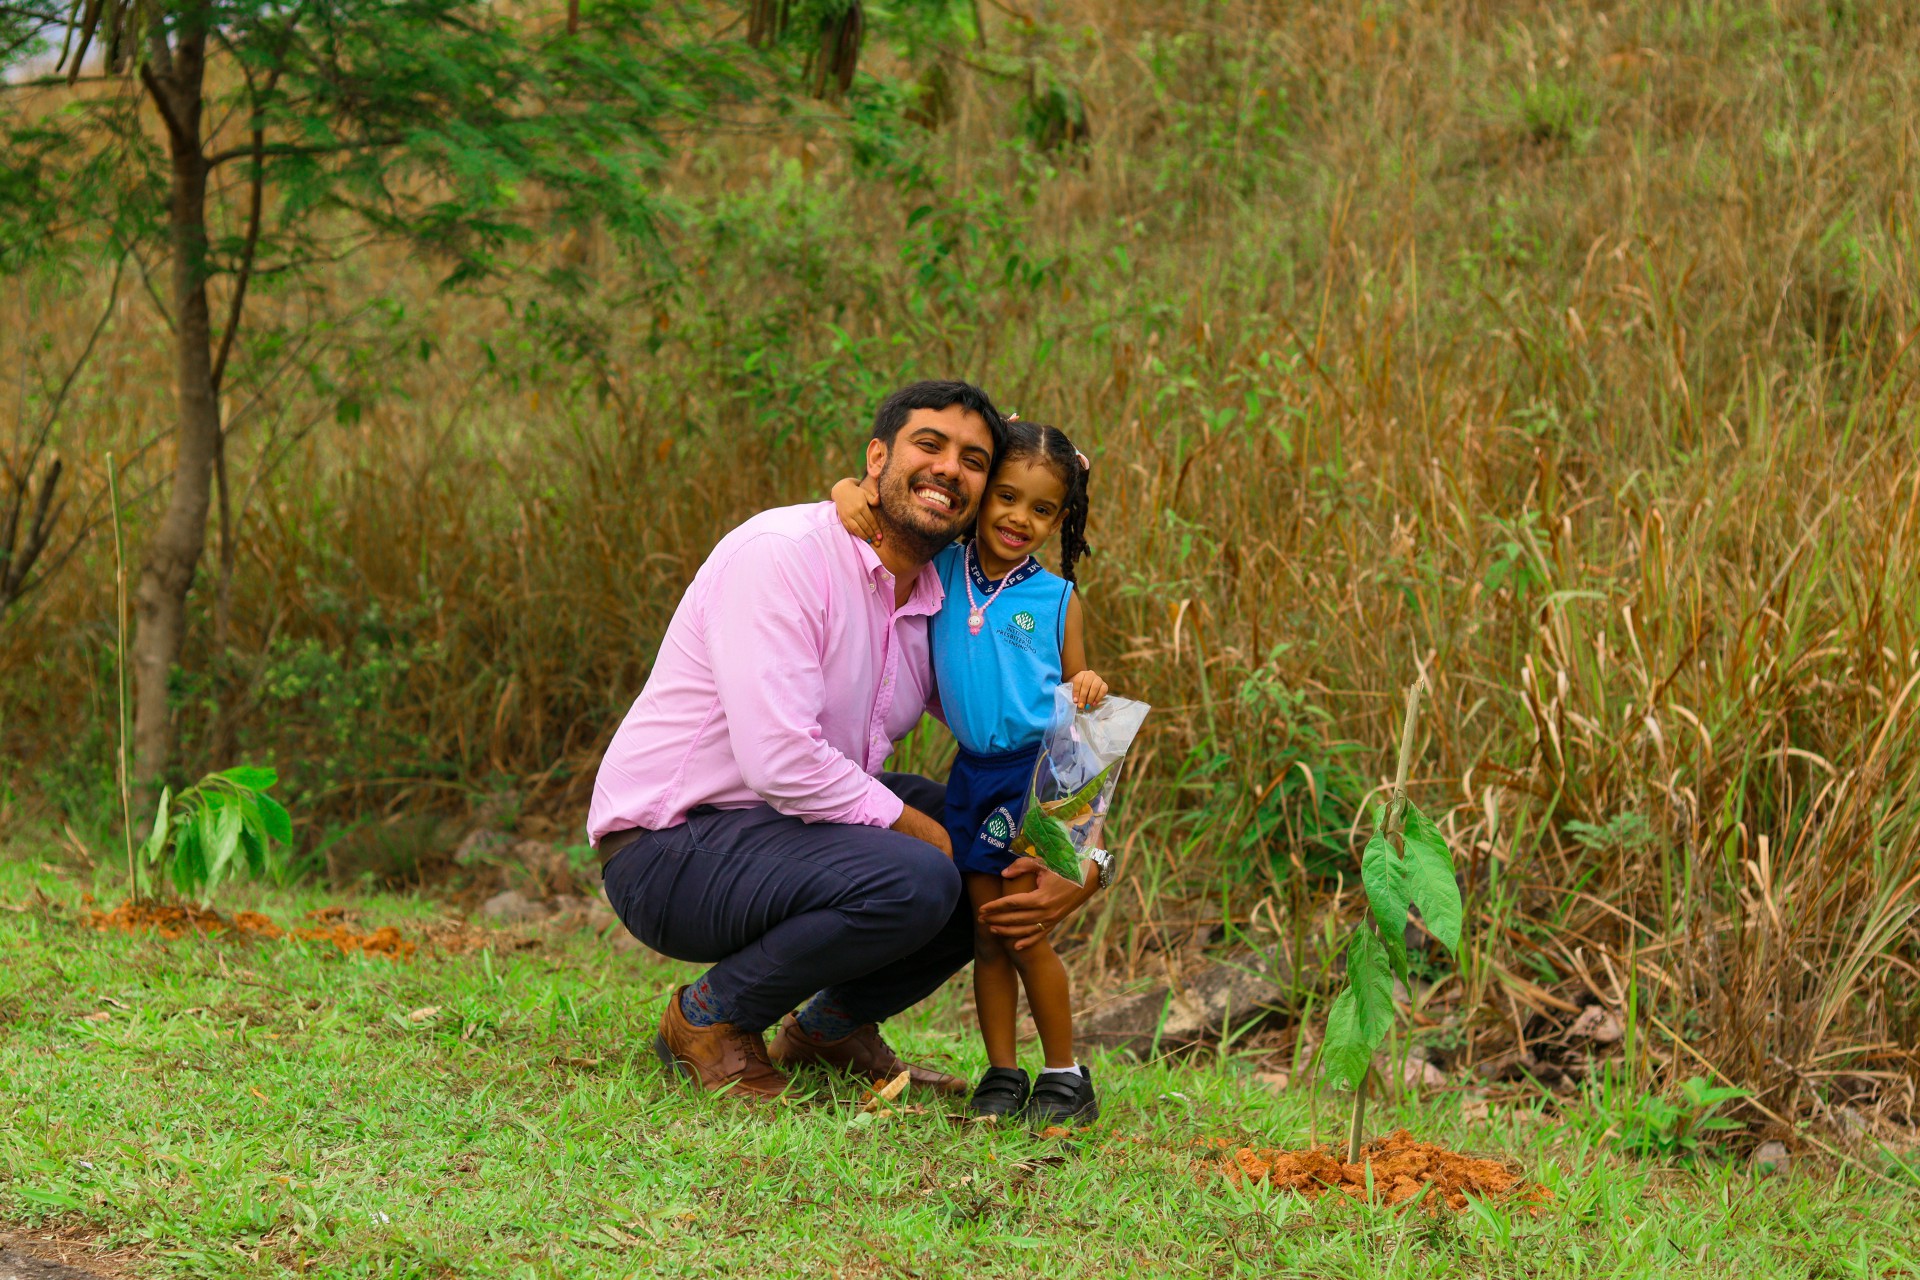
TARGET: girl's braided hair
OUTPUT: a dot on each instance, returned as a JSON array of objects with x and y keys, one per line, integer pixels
[{"x": 1040, "y": 442}]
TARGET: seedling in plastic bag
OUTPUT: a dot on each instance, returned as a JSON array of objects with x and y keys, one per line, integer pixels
[{"x": 1074, "y": 779}]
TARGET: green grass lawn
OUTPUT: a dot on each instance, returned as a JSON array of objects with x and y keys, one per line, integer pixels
[{"x": 265, "y": 1108}]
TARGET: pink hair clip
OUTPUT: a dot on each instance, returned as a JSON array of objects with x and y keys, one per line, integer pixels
[{"x": 1084, "y": 464}]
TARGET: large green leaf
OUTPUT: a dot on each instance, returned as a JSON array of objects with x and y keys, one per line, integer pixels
[
  {"x": 274, "y": 819},
  {"x": 189, "y": 867},
  {"x": 1385, "y": 876},
  {"x": 222, "y": 837},
  {"x": 1372, "y": 985},
  {"x": 251, "y": 777},
  {"x": 1362, "y": 1014},
  {"x": 253, "y": 832},
  {"x": 1345, "y": 1055},
  {"x": 255, "y": 848},
  {"x": 156, "y": 842},
  {"x": 1430, "y": 879},
  {"x": 1052, "y": 842}
]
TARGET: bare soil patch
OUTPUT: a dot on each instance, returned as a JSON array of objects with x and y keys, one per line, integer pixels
[
  {"x": 70, "y": 1251},
  {"x": 177, "y": 920},
  {"x": 1402, "y": 1170}
]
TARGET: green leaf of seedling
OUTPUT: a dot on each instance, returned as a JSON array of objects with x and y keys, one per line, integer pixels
[
  {"x": 189, "y": 860},
  {"x": 1084, "y": 796},
  {"x": 220, "y": 836},
  {"x": 1385, "y": 876},
  {"x": 278, "y": 826},
  {"x": 255, "y": 847},
  {"x": 1371, "y": 981},
  {"x": 156, "y": 842},
  {"x": 251, "y": 777},
  {"x": 1052, "y": 842},
  {"x": 1430, "y": 880},
  {"x": 1344, "y": 1055},
  {"x": 1362, "y": 1014}
]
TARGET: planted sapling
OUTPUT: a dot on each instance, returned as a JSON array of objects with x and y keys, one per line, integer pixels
[
  {"x": 1405, "y": 864},
  {"x": 225, "y": 819}
]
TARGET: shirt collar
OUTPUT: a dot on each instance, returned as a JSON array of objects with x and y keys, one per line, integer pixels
[
  {"x": 1018, "y": 575},
  {"x": 927, "y": 594}
]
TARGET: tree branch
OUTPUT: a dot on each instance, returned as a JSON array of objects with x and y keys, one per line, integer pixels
[
  {"x": 146, "y": 282},
  {"x": 303, "y": 149},
  {"x": 161, "y": 102},
  {"x": 255, "y": 200}
]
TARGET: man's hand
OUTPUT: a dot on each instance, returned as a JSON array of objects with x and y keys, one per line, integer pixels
[
  {"x": 912, "y": 822},
  {"x": 1028, "y": 917}
]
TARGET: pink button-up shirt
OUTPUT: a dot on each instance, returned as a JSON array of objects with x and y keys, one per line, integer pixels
[{"x": 785, "y": 676}]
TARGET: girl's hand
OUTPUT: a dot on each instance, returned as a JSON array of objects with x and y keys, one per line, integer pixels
[
  {"x": 1088, "y": 689},
  {"x": 855, "y": 503}
]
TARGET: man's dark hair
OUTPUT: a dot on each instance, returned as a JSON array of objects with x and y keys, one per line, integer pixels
[{"x": 898, "y": 407}]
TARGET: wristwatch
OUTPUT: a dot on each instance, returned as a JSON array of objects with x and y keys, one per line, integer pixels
[{"x": 1103, "y": 860}]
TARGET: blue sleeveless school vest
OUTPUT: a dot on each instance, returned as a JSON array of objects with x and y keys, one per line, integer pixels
[{"x": 996, "y": 688}]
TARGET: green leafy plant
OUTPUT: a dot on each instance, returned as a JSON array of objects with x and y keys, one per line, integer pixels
[
  {"x": 1676, "y": 1128},
  {"x": 224, "y": 820},
  {"x": 1405, "y": 864}
]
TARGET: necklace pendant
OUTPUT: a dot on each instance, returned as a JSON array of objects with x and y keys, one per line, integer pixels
[{"x": 976, "y": 620}]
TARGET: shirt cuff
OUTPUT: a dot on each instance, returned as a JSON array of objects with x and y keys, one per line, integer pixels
[{"x": 882, "y": 807}]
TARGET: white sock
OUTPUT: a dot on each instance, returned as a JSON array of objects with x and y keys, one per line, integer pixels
[{"x": 1073, "y": 1070}]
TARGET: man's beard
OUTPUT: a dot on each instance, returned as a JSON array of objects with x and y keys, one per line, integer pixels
[{"x": 910, "y": 525}]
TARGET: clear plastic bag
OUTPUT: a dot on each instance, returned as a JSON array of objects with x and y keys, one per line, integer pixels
[{"x": 1074, "y": 780}]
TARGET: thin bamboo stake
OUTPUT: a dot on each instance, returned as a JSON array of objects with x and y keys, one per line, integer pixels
[
  {"x": 1390, "y": 827},
  {"x": 120, "y": 676}
]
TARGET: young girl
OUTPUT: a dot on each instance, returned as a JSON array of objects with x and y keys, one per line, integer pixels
[{"x": 1008, "y": 633}]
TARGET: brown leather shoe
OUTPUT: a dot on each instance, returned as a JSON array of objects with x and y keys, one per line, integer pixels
[
  {"x": 863, "y": 1054},
  {"x": 718, "y": 1057}
]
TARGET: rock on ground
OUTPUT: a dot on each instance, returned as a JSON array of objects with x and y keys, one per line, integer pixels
[
  {"x": 482, "y": 846},
  {"x": 514, "y": 907},
  {"x": 15, "y": 1265},
  {"x": 1221, "y": 994}
]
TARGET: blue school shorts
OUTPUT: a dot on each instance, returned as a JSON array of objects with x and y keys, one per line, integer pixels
[{"x": 986, "y": 796}]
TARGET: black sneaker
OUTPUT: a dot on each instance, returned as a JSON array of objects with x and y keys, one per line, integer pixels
[
  {"x": 1061, "y": 1098},
  {"x": 1001, "y": 1092}
]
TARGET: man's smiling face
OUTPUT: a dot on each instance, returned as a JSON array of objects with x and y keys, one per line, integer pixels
[{"x": 931, "y": 479}]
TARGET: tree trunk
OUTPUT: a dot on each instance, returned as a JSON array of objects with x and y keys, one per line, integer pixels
[{"x": 174, "y": 551}]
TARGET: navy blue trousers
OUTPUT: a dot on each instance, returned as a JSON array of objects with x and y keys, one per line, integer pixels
[{"x": 783, "y": 908}]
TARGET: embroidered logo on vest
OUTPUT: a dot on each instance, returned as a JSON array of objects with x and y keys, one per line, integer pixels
[{"x": 1023, "y": 620}]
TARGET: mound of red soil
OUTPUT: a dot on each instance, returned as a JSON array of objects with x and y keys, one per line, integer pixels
[
  {"x": 1402, "y": 1170},
  {"x": 176, "y": 920}
]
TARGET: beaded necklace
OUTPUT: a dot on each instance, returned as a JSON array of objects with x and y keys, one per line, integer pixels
[{"x": 977, "y": 610}]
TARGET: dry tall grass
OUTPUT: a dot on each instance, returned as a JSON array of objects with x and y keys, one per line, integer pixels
[{"x": 1563, "y": 354}]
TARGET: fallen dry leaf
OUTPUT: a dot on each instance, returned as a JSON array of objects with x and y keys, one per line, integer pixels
[
  {"x": 100, "y": 1016},
  {"x": 1418, "y": 1071},
  {"x": 423, "y": 1013},
  {"x": 1598, "y": 1024},
  {"x": 887, "y": 1092}
]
